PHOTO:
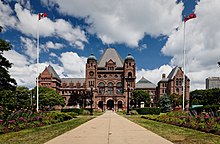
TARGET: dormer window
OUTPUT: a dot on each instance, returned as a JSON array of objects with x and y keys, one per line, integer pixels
[{"x": 130, "y": 75}]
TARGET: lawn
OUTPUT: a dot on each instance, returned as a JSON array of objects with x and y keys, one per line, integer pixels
[
  {"x": 42, "y": 134},
  {"x": 177, "y": 135}
]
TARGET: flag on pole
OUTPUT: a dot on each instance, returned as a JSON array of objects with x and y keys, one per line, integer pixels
[
  {"x": 42, "y": 15},
  {"x": 191, "y": 16}
]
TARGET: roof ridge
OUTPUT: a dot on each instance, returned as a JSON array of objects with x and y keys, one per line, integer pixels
[
  {"x": 53, "y": 72},
  {"x": 110, "y": 53}
]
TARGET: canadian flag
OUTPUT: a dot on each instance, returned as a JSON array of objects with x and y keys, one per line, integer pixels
[
  {"x": 42, "y": 15},
  {"x": 191, "y": 16}
]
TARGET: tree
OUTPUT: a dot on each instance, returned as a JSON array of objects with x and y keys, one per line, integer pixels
[
  {"x": 15, "y": 100},
  {"x": 6, "y": 82},
  {"x": 165, "y": 103},
  {"x": 23, "y": 97},
  {"x": 48, "y": 98},
  {"x": 176, "y": 100},
  {"x": 139, "y": 96},
  {"x": 205, "y": 97}
]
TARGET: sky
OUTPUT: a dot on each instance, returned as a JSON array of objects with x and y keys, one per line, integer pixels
[{"x": 151, "y": 30}]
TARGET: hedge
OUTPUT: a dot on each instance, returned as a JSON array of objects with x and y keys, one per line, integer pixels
[
  {"x": 75, "y": 110},
  {"x": 148, "y": 110}
]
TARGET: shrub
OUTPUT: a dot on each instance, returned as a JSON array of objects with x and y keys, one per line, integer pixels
[
  {"x": 148, "y": 110},
  {"x": 85, "y": 112},
  {"x": 133, "y": 112},
  {"x": 75, "y": 110}
]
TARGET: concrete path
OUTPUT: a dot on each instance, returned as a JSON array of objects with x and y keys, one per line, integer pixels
[{"x": 109, "y": 128}]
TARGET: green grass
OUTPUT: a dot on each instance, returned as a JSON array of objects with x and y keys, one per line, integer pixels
[
  {"x": 42, "y": 134},
  {"x": 177, "y": 135}
]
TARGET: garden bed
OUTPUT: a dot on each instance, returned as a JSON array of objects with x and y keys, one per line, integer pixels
[{"x": 202, "y": 122}]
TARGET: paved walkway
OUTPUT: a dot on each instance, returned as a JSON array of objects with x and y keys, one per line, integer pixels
[{"x": 109, "y": 128}]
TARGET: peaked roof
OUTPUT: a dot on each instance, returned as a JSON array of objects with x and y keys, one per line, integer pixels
[
  {"x": 53, "y": 72},
  {"x": 144, "y": 83},
  {"x": 110, "y": 53},
  {"x": 173, "y": 72}
]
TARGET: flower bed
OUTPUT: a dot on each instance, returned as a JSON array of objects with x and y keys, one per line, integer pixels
[
  {"x": 24, "y": 119},
  {"x": 203, "y": 122}
]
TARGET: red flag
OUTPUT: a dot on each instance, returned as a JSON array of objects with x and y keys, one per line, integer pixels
[
  {"x": 42, "y": 15},
  {"x": 191, "y": 16}
]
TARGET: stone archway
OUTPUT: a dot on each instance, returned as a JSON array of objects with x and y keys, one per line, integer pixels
[{"x": 110, "y": 104}]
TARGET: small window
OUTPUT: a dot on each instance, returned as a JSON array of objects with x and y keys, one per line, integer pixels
[{"x": 129, "y": 74}]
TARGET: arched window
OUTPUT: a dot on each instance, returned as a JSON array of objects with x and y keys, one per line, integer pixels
[
  {"x": 119, "y": 88},
  {"x": 101, "y": 88},
  {"x": 177, "y": 82},
  {"x": 110, "y": 88},
  {"x": 129, "y": 74}
]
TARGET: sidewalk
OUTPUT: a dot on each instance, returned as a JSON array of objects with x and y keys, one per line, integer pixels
[{"x": 109, "y": 128}]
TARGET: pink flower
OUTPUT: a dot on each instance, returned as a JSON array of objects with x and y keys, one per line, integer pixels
[
  {"x": 21, "y": 119},
  {"x": 1, "y": 121},
  {"x": 11, "y": 121},
  {"x": 206, "y": 117}
]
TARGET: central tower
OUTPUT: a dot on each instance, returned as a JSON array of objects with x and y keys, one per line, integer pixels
[{"x": 108, "y": 77}]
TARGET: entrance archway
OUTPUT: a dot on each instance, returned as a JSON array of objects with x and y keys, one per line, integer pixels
[
  {"x": 100, "y": 104},
  {"x": 120, "y": 105},
  {"x": 110, "y": 104}
]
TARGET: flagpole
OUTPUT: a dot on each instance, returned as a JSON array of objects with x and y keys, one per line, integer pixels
[
  {"x": 184, "y": 64},
  {"x": 37, "y": 63}
]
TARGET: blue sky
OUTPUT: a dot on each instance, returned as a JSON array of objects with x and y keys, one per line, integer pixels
[{"x": 152, "y": 31}]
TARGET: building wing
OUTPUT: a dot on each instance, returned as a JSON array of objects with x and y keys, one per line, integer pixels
[{"x": 144, "y": 83}]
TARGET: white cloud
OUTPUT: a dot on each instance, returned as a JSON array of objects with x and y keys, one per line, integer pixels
[
  {"x": 6, "y": 17},
  {"x": 27, "y": 23},
  {"x": 30, "y": 48},
  {"x": 52, "y": 45},
  {"x": 202, "y": 44},
  {"x": 124, "y": 21},
  {"x": 53, "y": 54},
  {"x": 73, "y": 64},
  {"x": 23, "y": 71}
]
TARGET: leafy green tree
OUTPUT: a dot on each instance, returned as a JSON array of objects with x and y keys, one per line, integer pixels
[
  {"x": 48, "y": 98},
  {"x": 176, "y": 100},
  {"x": 15, "y": 100},
  {"x": 7, "y": 100},
  {"x": 6, "y": 82},
  {"x": 205, "y": 97},
  {"x": 165, "y": 103},
  {"x": 139, "y": 96},
  {"x": 23, "y": 97}
]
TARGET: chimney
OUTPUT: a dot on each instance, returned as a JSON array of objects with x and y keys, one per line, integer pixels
[{"x": 163, "y": 75}]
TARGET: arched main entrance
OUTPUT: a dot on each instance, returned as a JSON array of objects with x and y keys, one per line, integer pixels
[{"x": 110, "y": 104}]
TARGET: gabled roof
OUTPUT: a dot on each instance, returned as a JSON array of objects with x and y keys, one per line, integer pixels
[
  {"x": 53, "y": 72},
  {"x": 112, "y": 54},
  {"x": 173, "y": 72},
  {"x": 144, "y": 83},
  {"x": 74, "y": 80}
]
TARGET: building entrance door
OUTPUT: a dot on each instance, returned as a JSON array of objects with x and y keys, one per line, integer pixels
[
  {"x": 110, "y": 104},
  {"x": 100, "y": 104},
  {"x": 120, "y": 105}
]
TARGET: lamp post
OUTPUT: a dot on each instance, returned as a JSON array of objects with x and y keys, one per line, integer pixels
[
  {"x": 91, "y": 102},
  {"x": 128, "y": 89}
]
